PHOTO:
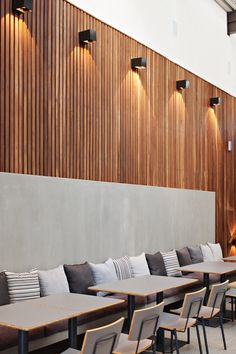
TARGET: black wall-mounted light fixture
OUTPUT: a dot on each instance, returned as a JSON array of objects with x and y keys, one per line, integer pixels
[
  {"x": 182, "y": 84},
  {"x": 22, "y": 5},
  {"x": 139, "y": 63},
  {"x": 87, "y": 36},
  {"x": 215, "y": 101}
]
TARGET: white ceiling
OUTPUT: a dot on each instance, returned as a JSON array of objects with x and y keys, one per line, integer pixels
[{"x": 191, "y": 33}]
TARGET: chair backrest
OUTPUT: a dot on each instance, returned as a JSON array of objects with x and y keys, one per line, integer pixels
[
  {"x": 102, "y": 340},
  {"x": 192, "y": 304},
  {"x": 145, "y": 322},
  {"x": 217, "y": 295}
]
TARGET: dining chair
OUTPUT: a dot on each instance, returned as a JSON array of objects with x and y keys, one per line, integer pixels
[
  {"x": 186, "y": 318},
  {"x": 100, "y": 340},
  {"x": 214, "y": 307},
  {"x": 231, "y": 294},
  {"x": 143, "y": 331}
]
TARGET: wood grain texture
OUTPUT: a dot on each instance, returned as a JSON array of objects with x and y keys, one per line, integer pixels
[{"x": 81, "y": 112}]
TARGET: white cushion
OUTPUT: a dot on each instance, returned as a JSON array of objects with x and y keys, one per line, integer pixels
[
  {"x": 207, "y": 253},
  {"x": 216, "y": 251},
  {"x": 139, "y": 265},
  {"x": 103, "y": 273},
  {"x": 53, "y": 281},
  {"x": 171, "y": 263},
  {"x": 23, "y": 286}
]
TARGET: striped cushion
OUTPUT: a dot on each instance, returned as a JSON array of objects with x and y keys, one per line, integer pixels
[
  {"x": 123, "y": 268},
  {"x": 171, "y": 263},
  {"x": 23, "y": 286}
]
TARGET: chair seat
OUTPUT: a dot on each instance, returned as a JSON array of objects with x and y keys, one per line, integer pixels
[
  {"x": 126, "y": 346},
  {"x": 71, "y": 351},
  {"x": 205, "y": 312},
  {"x": 171, "y": 321}
]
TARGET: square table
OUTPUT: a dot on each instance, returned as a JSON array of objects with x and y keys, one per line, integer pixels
[
  {"x": 218, "y": 267},
  {"x": 31, "y": 314},
  {"x": 142, "y": 286}
]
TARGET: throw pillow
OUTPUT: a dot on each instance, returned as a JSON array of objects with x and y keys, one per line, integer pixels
[
  {"x": 23, "y": 286},
  {"x": 103, "y": 273},
  {"x": 53, "y": 281},
  {"x": 80, "y": 278},
  {"x": 196, "y": 254},
  {"x": 184, "y": 257},
  {"x": 207, "y": 253},
  {"x": 123, "y": 268},
  {"x": 156, "y": 264},
  {"x": 171, "y": 263},
  {"x": 4, "y": 297},
  {"x": 216, "y": 251},
  {"x": 139, "y": 265}
]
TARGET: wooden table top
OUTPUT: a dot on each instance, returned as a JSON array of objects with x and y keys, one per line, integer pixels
[
  {"x": 143, "y": 286},
  {"x": 210, "y": 267},
  {"x": 231, "y": 292},
  {"x": 230, "y": 259},
  {"x": 32, "y": 314}
]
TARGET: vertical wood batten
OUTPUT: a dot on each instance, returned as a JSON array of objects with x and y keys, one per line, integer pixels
[{"x": 81, "y": 112}]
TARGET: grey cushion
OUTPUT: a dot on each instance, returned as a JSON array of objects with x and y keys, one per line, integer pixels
[
  {"x": 80, "y": 278},
  {"x": 4, "y": 298},
  {"x": 103, "y": 273},
  {"x": 195, "y": 254},
  {"x": 156, "y": 264},
  {"x": 184, "y": 257}
]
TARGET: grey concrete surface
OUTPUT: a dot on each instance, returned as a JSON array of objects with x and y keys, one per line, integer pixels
[{"x": 49, "y": 221}]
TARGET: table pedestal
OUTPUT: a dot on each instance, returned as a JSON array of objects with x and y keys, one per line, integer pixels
[
  {"x": 23, "y": 342},
  {"x": 72, "y": 329}
]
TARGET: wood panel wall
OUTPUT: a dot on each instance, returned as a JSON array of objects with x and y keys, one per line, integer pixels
[{"x": 81, "y": 112}]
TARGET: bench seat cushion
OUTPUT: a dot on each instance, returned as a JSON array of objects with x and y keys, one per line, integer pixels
[{"x": 214, "y": 278}]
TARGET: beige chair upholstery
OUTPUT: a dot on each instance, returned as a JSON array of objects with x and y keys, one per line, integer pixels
[
  {"x": 214, "y": 302},
  {"x": 186, "y": 317},
  {"x": 100, "y": 340},
  {"x": 144, "y": 325},
  {"x": 213, "y": 307}
]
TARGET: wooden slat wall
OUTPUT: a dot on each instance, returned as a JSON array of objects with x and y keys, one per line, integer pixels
[{"x": 79, "y": 112}]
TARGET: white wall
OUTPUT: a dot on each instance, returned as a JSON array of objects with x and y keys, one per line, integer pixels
[{"x": 191, "y": 33}]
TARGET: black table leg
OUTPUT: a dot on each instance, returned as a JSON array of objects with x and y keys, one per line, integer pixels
[
  {"x": 160, "y": 333},
  {"x": 222, "y": 280},
  {"x": 206, "y": 283},
  {"x": 23, "y": 342},
  {"x": 131, "y": 307},
  {"x": 159, "y": 298},
  {"x": 72, "y": 329}
]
